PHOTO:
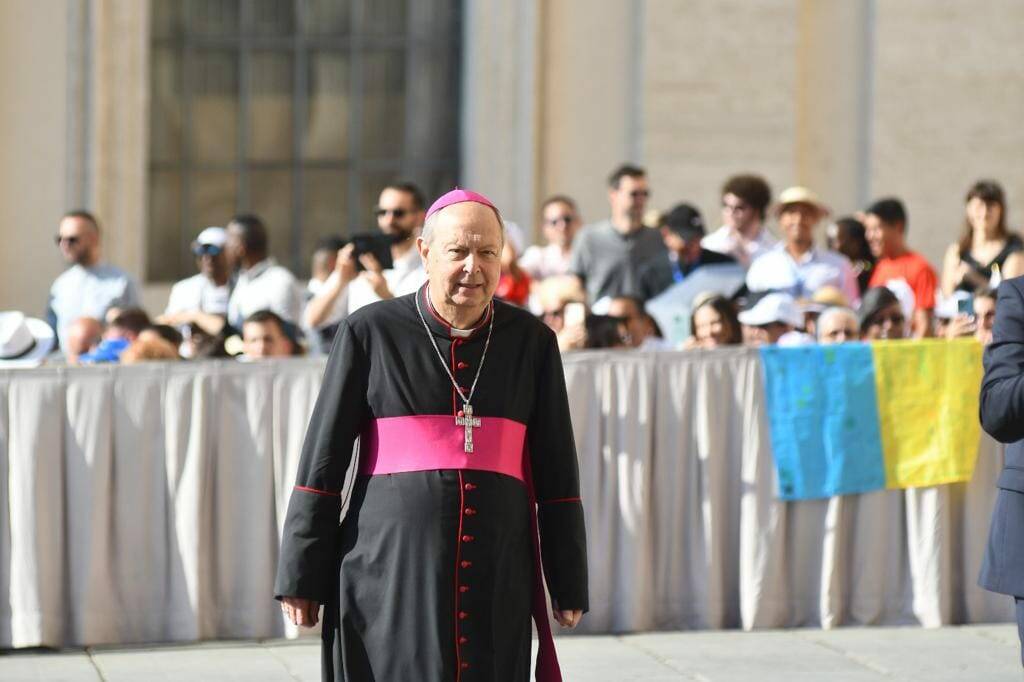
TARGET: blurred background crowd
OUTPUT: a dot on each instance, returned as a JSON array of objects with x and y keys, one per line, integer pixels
[
  {"x": 279, "y": 123},
  {"x": 773, "y": 269}
]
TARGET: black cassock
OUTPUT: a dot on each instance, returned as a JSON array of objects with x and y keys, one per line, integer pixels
[{"x": 430, "y": 575}]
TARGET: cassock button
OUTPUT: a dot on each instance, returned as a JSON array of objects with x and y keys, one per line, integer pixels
[
  {"x": 465, "y": 666},
  {"x": 469, "y": 511},
  {"x": 461, "y": 413},
  {"x": 463, "y": 615},
  {"x": 466, "y": 564},
  {"x": 469, "y": 486},
  {"x": 467, "y": 538},
  {"x": 463, "y": 640},
  {"x": 462, "y": 365},
  {"x": 463, "y": 589}
]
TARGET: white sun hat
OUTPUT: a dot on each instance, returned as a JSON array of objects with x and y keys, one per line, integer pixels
[{"x": 24, "y": 341}]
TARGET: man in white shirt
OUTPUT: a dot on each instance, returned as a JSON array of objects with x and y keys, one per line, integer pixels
[
  {"x": 208, "y": 291},
  {"x": 796, "y": 267},
  {"x": 262, "y": 284},
  {"x": 400, "y": 213},
  {"x": 743, "y": 235},
  {"x": 88, "y": 288},
  {"x": 560, "y": 221}
]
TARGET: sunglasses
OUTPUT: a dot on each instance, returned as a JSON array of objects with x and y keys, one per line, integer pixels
[
  {"x": 397, "y": 212},
  {"x": 70, "y": 240},
  {"x": 640, "y": 194},
  {"x": 206, "y": 250},
  {"x": 566, "y": 219}
]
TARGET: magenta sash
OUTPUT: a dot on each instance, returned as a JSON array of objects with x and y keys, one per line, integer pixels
[{"x": 396, "y": 445}]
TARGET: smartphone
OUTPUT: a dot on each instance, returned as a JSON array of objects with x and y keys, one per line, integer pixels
[
  {"x": 375, "y": 243},
  {"x": 575, "y": 314},
  {"x": 965, "y": 306}
]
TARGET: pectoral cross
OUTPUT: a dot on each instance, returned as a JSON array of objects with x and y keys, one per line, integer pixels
[{"x": 470, "y": 423}]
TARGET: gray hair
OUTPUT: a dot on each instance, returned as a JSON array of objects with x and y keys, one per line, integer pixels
[
  {"x": 427, "y": 233},
  {"x": 834, "y": 311}
]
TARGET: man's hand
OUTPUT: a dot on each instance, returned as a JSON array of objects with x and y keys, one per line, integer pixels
[
  {"x": 370, "y": 263},
  {"x": 567, "y": 619},
  {"x": 345, "y": 265},
  {"x": 373, "y": 274},
  {"x": 303, "y": 612}
]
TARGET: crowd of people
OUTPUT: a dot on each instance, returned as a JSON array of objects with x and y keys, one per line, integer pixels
[{"x": 636, "y": 279}]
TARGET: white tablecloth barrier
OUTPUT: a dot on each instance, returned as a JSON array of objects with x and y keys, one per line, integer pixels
[{"x": 143, "y": 504}]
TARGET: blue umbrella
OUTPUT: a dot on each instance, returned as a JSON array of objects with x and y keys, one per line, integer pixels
[{"x": 671, "y": 308}]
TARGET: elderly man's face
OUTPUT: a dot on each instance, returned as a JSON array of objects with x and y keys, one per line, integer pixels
[
  {"x": 265, "y": 340},
  {"x": 797, "y": 222},
  {"x": 397, "y": 214},
  {"x": 837, "y": 328},
  {"x": 77, "y": 239},
  {"x": 887, "y": 323},
  {"x": 463, "y": 258}
]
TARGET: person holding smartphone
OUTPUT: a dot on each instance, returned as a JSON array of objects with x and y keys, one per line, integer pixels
[{"x": 975, "y": 317}]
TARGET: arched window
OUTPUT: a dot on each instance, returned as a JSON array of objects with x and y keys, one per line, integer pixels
[{"x": 298, "y": 110}]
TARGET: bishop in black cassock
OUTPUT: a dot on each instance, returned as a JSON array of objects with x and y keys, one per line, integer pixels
[{"x": 465, "y": 452}]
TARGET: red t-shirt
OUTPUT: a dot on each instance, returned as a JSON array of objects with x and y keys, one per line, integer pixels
[
  {"x": 915, "y": 271},
  {"x": 513, "y": 290}
]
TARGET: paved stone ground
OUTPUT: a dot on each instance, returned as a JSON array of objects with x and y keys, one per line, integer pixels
[{"x": 974, "y": 653}]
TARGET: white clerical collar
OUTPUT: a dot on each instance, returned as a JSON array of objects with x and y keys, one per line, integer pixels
[{"x": 461, "y": 333}]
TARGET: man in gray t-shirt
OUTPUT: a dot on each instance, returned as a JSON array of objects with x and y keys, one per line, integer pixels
[
  {"x": 608, "y": 256},
  {"x": 88, "y": 288}
]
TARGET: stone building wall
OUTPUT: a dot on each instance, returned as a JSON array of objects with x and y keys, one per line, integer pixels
[{"x": 853, "y": 98}]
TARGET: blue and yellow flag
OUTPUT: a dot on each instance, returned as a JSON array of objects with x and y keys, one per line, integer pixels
[{"x": 852, "y": 418}]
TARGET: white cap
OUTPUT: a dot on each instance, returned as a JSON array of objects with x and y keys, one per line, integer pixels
[
  {"x": 773, "y": 308},
  {"x": 24, "y": 341},
  {"x": 213, "y": 236}
]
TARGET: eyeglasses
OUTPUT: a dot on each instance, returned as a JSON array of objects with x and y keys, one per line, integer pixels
[
  {"x": 562, "y": 219},
  {"x": 640, "y": 194},
  {"x": 397, "y": 212},
  {"x": 734, "y": 208},
  {"x": 72, "y": 241},
  {"x": 206, "y": 250}
]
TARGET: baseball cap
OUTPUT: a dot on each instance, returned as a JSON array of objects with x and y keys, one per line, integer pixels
[
  {"x": 773, "y": 308},
  {"x": 212, "y": 236},
  {"x": 685, "y": 220}
]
